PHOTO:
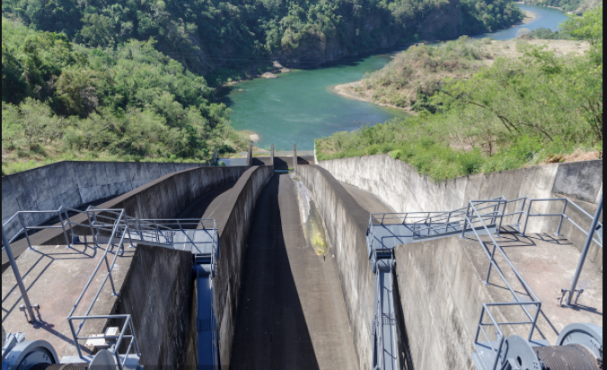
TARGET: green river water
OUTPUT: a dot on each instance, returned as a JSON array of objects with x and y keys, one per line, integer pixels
[{"x": 299, "y": 106}]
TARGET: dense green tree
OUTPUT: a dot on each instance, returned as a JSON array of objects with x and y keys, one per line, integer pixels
[
  {"x": 126, "y": 100},
  {"x": 208, "y": 34}
]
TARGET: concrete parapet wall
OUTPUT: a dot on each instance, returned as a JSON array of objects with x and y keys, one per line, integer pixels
[
  {"x": 399, "y": 185},
  {"x": 233, "y": 223},
  {"x": 346, "y": 225},
  {"x": 167, "y": 196},
  {"x": 74, "y": 183},
  {"x": 441, "y": 294},
  {"x": 157, "y": 293},
  {"x": 164, "y": 303},
  {"x": 164, "y": 197}
]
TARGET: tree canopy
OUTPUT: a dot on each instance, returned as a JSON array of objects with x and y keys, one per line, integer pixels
[
  {"x": 208, "y": 34},
  {"x": 127, "y": 100}
]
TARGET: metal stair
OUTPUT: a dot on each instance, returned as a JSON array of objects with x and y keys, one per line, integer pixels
[{"x": 384, "y": 233}]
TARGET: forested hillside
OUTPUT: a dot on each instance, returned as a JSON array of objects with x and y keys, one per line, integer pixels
[
  {"x": 540, "y": 107},
  {"x": 230, "y": 36},
  {"x": 574, "y": 6},
  {"x": 65, "y": 101}
]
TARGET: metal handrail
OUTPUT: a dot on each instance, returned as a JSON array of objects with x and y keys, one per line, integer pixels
[
  {"x": 497, "y": 325},
  {"x": 535, "y": 300},
  {"x": 492, "y": 259},
  {"x": 122, "y": 227},
  {"x": 378, "y": 325},
  {"x": 119, "y": 225},
  {"x": 439, "y": 222},
  {"x": 563, "y": 216},
  {"x": 127, "y": 323},
  {"x": 101, "y": 260},
  {"x": 430, "y": 217}
]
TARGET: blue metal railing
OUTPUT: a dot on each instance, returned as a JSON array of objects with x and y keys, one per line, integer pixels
[
  {"x": 120, "y": 228},
  {"x": 469, "y": 220},
  {"x": 433, "y": 223},
  {"x": 489, "y": 214}
]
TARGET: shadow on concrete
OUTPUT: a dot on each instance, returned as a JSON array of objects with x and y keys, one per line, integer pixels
[
  {"x": 271, "y": 330},
  {"x": 404, "y": 350},
  {"x": 198, "y": 207},
  {"x": 550, "y": 239},
  {"x": 43, "y": 325},
  {"x": 261, "y": 161},
  {"x": 581, "y": 307},
  {"x": 283, "y": 163},
  {"x": 14, "y": 288},
  {"x": 305, "y": 159}
]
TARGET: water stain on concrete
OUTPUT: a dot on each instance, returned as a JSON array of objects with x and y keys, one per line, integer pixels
[{"x": 312, "y": 223}]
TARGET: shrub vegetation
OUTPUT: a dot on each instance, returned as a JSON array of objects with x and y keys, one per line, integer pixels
[{"x": 513, "y": 113}]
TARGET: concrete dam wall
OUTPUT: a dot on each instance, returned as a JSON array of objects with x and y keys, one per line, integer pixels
[
  {"x": 439, "y": 282},
  {"x": 399, "y": 185},
  {"x": 164, "y": 197},
  {"x": 74, "y": 183},
  {"x": 163, "y": 304},
  {"x": 233, "y": 224},
  {"x": 157, "y": 293},
  {"x": 346, "y": 225}
]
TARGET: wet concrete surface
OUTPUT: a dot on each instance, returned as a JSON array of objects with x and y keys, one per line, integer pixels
[{"x": 291, "y": 313}]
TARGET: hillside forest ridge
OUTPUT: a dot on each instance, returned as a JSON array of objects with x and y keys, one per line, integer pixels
[
  {"x": 135, "y": 81},
  {"x": 222, "y": 38}
]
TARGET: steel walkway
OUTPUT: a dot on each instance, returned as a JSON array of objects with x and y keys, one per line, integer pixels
[
  {"x": 480, "y": 217},
  {"x": 113, "y": 228}
]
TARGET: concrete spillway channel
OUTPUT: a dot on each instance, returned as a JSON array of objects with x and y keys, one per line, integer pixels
[
  {"x": 291, "y": 313},
  {"x": 293, "y": 285}
]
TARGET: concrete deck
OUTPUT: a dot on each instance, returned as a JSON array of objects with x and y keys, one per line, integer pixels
[
  {"x": 54, "y": 277},
  {"x": 547, "y": 263},
  {"x": 291, "y": 313}
]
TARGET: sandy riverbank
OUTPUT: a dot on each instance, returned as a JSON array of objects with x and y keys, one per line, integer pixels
[
  {"x": 347, "y": 90},
  {"x": 529, "y": 16},
  {"x": 253, "y": 136}
]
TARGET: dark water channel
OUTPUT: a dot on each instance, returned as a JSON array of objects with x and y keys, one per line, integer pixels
[{"x": 301, "y": 105}]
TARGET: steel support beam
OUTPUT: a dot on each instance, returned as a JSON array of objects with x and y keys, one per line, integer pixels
[
  {"x": 578, "y": 271},
  {"x": 11, "y": 258}
]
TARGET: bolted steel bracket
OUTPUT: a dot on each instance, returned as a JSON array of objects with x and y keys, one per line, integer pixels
[
  {"x": 22, "y": 309},
  {"x": 564, "y": 293}
]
